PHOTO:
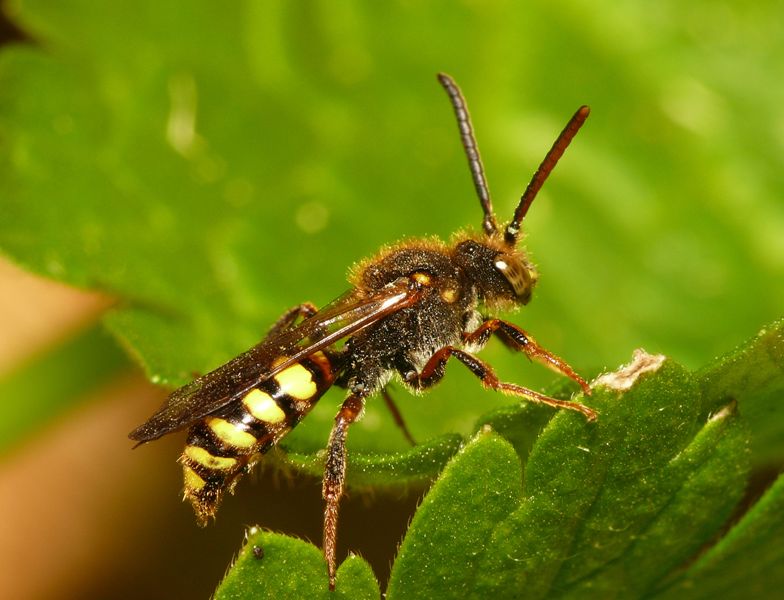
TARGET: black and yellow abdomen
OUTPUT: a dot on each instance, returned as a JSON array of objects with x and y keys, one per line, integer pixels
[{"x": 220, "y": 447}]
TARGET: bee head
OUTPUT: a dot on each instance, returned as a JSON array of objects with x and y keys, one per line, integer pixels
[
  {"x": 501, "y": 275},
  {"x": 499, "y": 270}
]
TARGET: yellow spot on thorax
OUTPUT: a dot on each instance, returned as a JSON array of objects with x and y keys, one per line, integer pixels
[
  {"x": 230, "y": 433},
  {"x": 449, "y": 295},
  {"x": 421, "y": 278},
  {"x": 201, "y": 456},
  {"x": 192, "y": 480},
  {"x": 297, "y": 382},
  {"x": 263, "y": 406}
]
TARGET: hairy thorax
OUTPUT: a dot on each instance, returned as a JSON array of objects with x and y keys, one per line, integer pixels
[{"x": 406, "y": 340}]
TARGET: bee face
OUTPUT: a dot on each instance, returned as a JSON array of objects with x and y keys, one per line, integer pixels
[{"x": 502, "y": 276}]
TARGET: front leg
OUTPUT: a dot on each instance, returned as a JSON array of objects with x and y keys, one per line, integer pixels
[
  {"x": 517, "y": 339},
  {"x": 335, "y": 476},
  {"x": 433, "y": 371}
]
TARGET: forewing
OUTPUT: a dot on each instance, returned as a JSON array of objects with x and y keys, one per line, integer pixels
[{"x": 343, "y": 317}]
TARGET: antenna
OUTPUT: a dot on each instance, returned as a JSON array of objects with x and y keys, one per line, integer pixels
[
  {"x": 471, "y": 150},
  {"x": 544, "y": 170}
]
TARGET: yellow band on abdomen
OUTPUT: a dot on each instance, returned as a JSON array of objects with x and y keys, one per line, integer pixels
[
  {"x": 263, "y": 407},
  {"x": 201, "y": 456},
  {"x": 230, "y": 433},
  {"x": 297, "y": 382}
]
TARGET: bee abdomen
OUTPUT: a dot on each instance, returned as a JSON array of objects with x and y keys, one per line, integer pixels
[{"x": 220, "y": 447}]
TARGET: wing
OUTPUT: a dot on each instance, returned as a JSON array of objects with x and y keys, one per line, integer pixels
[{"x": 341, "y": 318}]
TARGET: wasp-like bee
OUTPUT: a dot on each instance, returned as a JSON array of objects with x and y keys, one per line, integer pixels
[{"x": 411, "y": 308}]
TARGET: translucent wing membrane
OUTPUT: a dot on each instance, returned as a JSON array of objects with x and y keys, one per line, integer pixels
[{"x": 343, "y": 317}]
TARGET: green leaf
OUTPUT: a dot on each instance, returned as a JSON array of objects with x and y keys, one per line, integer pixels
[
  {"x": 747, "y": 561},
  {"x": 753, "y": 375},
  {"x": 618, "y": 504},
  {"x": 202, "y": 234},
  {"x": 441, "y": 553},
  {"x": 416, "y": 466},
  {"x": 522, "y": 424},
  {"x": 213, "y": 165},
  {"x": 275, "y": 566}
]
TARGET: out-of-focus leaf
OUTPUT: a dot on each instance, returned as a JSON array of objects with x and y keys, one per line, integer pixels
[{"x": 214, "y": 165}]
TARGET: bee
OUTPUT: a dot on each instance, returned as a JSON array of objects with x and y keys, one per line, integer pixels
[{"x": 411, "y": 308}]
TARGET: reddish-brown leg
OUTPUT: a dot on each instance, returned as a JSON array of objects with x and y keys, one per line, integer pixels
[
  {"x": 288, "y": 318},
  {"x": 516, "y": 338},
  {"x": 397, "y": 415},
  {"x": 434, "y": 371},
  {"x": 335, "y": 477}
]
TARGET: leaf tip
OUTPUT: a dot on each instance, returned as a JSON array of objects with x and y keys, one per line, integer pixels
[
  {"x": 724, "y": 412},
  {"x": 485, "y": 429},
  {"x": 625, "y": 377},
  {"x": 251, "y": 531}
]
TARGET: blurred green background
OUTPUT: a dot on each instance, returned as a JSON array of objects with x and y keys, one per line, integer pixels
[{"x": 210, "y": 165}]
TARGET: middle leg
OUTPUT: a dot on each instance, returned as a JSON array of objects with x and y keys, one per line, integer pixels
[
  {"x": 519, "y": 340},
  {"x": 433, "y": 371}
]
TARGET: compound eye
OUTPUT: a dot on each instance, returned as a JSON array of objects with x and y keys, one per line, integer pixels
[{"x": 516, "y": 274}]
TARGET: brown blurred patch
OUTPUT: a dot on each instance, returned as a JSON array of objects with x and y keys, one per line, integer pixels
[
  {"x": 35, "y": 313},
  {"x": 70, "y": 497}
]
